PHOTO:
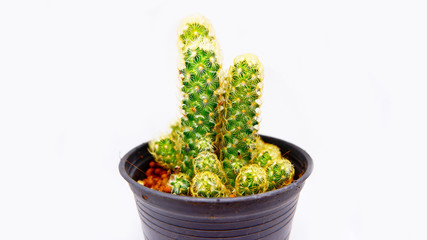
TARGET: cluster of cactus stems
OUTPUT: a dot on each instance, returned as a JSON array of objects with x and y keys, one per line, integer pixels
[{"x": 214, "y": 149}]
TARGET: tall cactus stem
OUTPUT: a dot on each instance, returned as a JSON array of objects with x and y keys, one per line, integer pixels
[
  {"x": 241, "y": 113},
  {"x": 199, "y": 67},
  {"x": 200, "y": 87}
]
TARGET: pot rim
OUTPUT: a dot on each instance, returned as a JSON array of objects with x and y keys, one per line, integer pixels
[{"x": 295, "y": 184}]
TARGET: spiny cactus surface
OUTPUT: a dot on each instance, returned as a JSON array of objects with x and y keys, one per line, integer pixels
[
  {"x": 208, "y": 184},
  {"x": 262, "y": 159},
  {"x": 252, "y": 179},
  {"x": 280, "y": 172},
  {"x": 180, "y": 183},
  {"x": 199, "y": 68},
  {"x": 200, "y": 87},
  {"x": 240, "y": 118},
  {"x": 167, "y": 150},
  {"x": 208, "y": 161},
  {"x": 193, "y": 28},
  {"x": 232, "y": 166},
  {"x": 265, "y": 153},
  {"x": 262, "y": 146},
  {"x": 204, "y": 144}
]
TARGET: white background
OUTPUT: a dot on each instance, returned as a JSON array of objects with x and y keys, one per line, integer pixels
[{"x": 83, "y": 82}]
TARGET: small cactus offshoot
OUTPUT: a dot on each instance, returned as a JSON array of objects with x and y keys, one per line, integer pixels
[
  {"x": 262, "y": 159},
  {"x": 266, "y": 154},
  {"x": 166, "y": 151},
  {"x": 280, "y": 173},
  {"x": 232, "y": 167},
  {"x": 252, "y": 179},
  {"x": 208, "y": 161},
  {"x": 180, "y": 183},
  {"x": 214, "y": 150},
  {"x": 209, "y": 185}
]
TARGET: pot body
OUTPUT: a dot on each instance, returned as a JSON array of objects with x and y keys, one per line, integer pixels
[{"x": 262, "y": 216}]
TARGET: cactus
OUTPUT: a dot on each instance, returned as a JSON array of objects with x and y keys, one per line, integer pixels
[
  {"x": 180, "y": 183},
  {"x": 266, "y": 153},
  {"x": 214, "y": 149},
  {"x": 208, "y": 161},
  {"x": 204, "y": 144},
  {"x": 193, "y": 28},
  {"x": 262, "y": 159},
  {"x": 252, "y": 179},
  {"x": 199, "y": 68},
  {"x": 200, "y": 87},
  {"x": 166, "y": 150},
  {"x": 208, "y": 184},
  {"x": 263, "y": 146},
  {"x": 240, "y": 118},
  {"x": 232, "y": 168},
  {"x": 280, "y": 172}
]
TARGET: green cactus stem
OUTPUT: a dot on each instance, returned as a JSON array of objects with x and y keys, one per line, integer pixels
[
  {"x": 193, "y": 28},
  {"x": 232, "y": 168},
  {"x": 262, "y": 159},
  {"x": 266, "y": 153},
  {"x": 208, "y": 161},
  {"x": 204, "y": 144},
  {"x": 263, "y": 146},
  {"x": 209, "y": 185},
  {"x": 200, "y": 88},
  {"x": 280, "y": 172},
  {"x": 252, "y": 179},
  {"x": 180, "y": 183},
  {"x": 167, "y": 150},
  {"x": 241, "y": 113}
]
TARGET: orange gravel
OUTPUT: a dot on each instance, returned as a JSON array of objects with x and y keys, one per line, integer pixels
[{"x": 157, "y": 178}]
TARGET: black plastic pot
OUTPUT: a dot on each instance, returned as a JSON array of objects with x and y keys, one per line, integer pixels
[{"x": 262, "y": 216}]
